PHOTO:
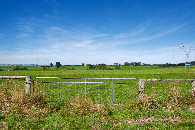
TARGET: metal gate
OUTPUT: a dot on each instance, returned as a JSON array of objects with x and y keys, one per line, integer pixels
[{"x": 99, "y": 90}]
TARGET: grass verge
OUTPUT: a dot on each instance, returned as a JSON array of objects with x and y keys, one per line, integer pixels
[{"x": 20, "y": 111}]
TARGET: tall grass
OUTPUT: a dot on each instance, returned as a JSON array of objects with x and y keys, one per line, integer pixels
[
  {"x": 14, "y": 100},
  {"x": 21, "y": 111}
]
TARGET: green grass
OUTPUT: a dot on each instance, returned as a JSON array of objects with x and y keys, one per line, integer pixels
[
  {"x": 167, "y": 105},
  {"x": 127, "y": 72}
]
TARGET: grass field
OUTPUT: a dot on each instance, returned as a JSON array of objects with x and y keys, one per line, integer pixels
[{"x": 166, "y": 105}]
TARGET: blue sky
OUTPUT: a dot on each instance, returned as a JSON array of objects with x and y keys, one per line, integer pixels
[{"x": 96, "y": 31}]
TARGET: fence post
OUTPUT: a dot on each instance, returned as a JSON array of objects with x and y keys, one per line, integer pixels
[
  {"x": 33, "y": 86},
  {"x": 28, "y": 85},
  {"x": 112, "y": 91},
  {"x": 59, "y": 86},
  {"x": 141, "y": 88},
  {"x": 193, "y": 88},
  {"x": 85, "y": 88}
]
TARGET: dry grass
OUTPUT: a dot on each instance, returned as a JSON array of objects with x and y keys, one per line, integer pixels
[
  {"x": 82, "y": 105},
  {"x": 173, "y": 99},
  {"x": 152, "y": 120},
  {"x": 14, "y": 100}
]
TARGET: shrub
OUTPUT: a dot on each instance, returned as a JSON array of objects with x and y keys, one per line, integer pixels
[
  {"x": 99, "y": 67},
  {"x": 18, "y": 68}
]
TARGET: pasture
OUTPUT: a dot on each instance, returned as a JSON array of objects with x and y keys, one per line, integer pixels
[{"x": 166, "y": 105}]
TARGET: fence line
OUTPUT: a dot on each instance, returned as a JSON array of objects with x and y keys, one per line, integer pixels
[
  {"x": 28, "y": 81},
  {"x": 80, "y": 78},
  {"x": 142, "y": 81},
  {"x": 169, "y": 79},
  {"x": 86, "y": 82},
  {"x": 73, "y": 82}
]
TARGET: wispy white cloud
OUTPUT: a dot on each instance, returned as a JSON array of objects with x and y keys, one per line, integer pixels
[
  {"x": 22, "y": 35},
  {"x": 25, "y": 26},
  {"x": 29, "y": 26},
  {"x": 56, "y": 43},
  {"x": 78, "y": 55},
  {"x": 55, "y": 34},
  {"x": 141, "y": 34}
]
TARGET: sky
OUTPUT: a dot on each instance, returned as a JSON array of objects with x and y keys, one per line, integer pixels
[{"x": 96, "y": 31}]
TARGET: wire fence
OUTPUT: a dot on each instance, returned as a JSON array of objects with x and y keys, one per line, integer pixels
[
  {"x": 100, "y": 90},
  {"x": 164, "y": 88},
  {"x": 9, "y": 84}
]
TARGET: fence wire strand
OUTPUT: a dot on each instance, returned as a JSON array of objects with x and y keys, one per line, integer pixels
[
  {"x": 99, "y": 90},
  {"x": 163, "y": 89}
]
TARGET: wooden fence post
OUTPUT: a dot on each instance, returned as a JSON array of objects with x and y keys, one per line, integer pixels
[
  {"x": 193, "y": 88},
  {"x": 28, "y": 85},
  {"x": 141, "y": 88}
]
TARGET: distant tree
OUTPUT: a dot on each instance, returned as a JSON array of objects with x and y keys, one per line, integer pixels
[
  {"x": 126, "y": 64},
  {"x": 1, "y": 69},
  {"x": 25, "y": 68},
  {"x": 103, "y": 65},
  {"x": 83, "y": 64},
  {"x": 58, "y": 65},
  {"x": 91, "y": 66},
  {"x": 117, "y": 66},
  {"x": 51, "y": 64},
  {"x": 100, "y": 67},
  {"x": 45, "y": 67},
  {"x": 18, "y": 68}
]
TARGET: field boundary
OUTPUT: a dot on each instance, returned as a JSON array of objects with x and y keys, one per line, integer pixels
[
  {"x": 85, "y": 82},
  {"x": 28, "y": 81},
  {"x": 142, "y": 82}
]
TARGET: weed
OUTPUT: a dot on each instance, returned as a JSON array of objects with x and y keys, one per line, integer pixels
[
  {"x": 84, "y": 106},
  {"x": 14, "y": 101}
]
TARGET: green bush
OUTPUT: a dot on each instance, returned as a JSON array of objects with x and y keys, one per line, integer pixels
[{"x": 22, "y": 68}]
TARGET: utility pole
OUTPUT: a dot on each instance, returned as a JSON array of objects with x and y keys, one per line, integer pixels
[{"x": 187, "y": 50}]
